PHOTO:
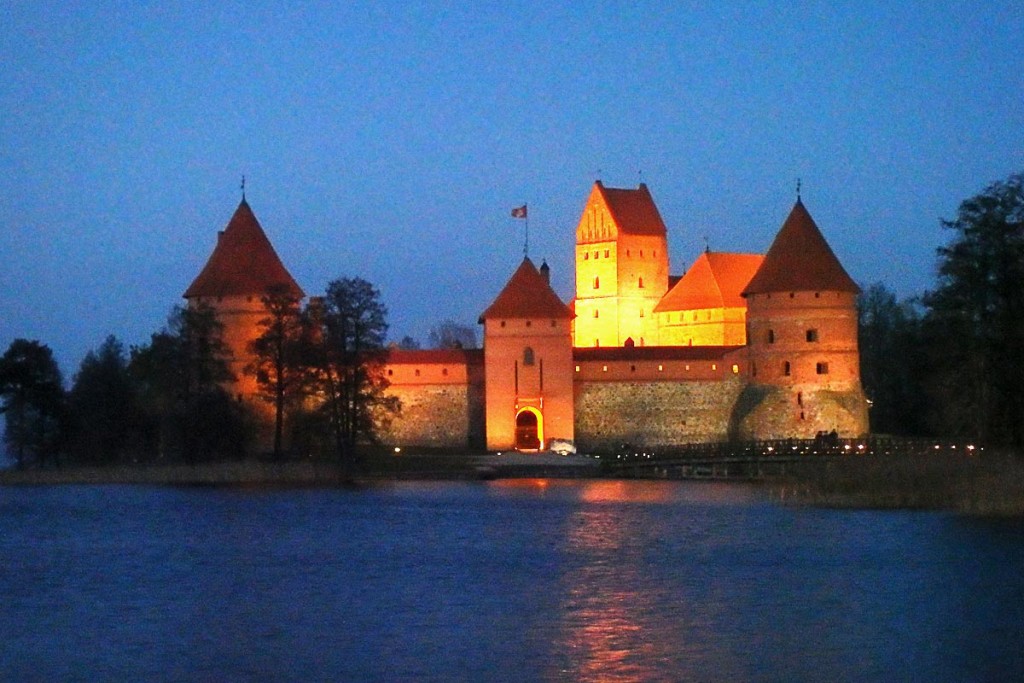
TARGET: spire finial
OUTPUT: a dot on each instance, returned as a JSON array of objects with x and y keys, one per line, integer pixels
[
  {"x": 707, "y": 245},
  {"x": 243, "y": 187},
  {"x": 798, "y": 189}
]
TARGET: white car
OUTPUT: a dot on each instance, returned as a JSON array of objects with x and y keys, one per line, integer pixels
[{"x": 562, "y": 447}]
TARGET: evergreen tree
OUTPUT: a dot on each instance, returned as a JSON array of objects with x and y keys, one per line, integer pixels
[
  {"x": 181, "y": 374},
  {"x": 891, "y": 369},
  {"x": 33, "y": 402},
  {"x": 103, "y": 405},
  {"x": 975, "y": 320}
]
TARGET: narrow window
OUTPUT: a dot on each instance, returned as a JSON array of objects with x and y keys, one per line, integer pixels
[
  {"x": 822, "y": 368},
  {"x": 444, "y": 371},
  {"x": 604, "y": 368},
  {"x": 771, "y": 336},
  {"x": 595, "y": 254},
  {"x": 632, "y": 368},
  {"x": 640, "y": 283},
  {"x": 529, "y": 323},
  {"x": 503, "y": 323},
  {"x": 586, "y": 256},
  {"x": 595, "y": 313},
  {"x": 641, "y": 253},
  {"x": 597, "y": 282},
  {"x": 417, "y": 373},
  {"x": 799, "y": 398},
  {"x": 390, "y": 372},
  {"x": 553, "y": 323},
  {"x": 528, "y": 356},
  {"x": 577, "y": 368},
  {"x": 606, "y": 253},
  {"x": 786, "y": 368},
  {"x": 735, "y": 369},
  {"x": 753, "y": 369},
  {"x": 641, "y": 312},
  {"x": 812, "y": 335}
]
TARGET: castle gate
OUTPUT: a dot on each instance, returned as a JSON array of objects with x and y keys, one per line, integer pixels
[{"x": 529, "y": 430}]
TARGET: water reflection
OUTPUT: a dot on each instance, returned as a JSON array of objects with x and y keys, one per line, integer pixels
[{"x": 522, "y": 580}]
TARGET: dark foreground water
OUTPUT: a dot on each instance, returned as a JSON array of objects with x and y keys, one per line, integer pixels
[{"x": 517, "y": 581}]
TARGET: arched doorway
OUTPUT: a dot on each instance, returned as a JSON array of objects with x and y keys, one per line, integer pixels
[{"x": 529, "y": 430}]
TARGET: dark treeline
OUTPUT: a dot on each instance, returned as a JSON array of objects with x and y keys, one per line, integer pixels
[
  {"x": 948, "y": 363},
  {"x": 319, "y": 370}
]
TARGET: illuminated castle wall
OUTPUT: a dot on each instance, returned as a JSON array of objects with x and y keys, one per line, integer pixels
[{"x": 743, "y": 346}]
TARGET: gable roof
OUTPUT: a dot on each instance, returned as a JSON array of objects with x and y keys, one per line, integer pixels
[
  {"x": 633, "y": 211},
  {"x": 800, "y": 260},
  {"x": 715, "y": 280},
  {"x": 243, "y": 263},
  {"x": 527, "y": 295}
]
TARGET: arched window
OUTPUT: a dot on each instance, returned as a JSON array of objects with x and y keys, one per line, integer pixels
[
  {"x": 771, "y": 336},
  {"x": 528, "y": 356},
  {"x": 640, "y": 283},
  {"x": 786, "y": 369},
  {"x": 597, "y": 282}
]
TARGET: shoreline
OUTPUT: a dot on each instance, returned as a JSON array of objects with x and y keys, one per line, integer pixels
[
  {"x": 259, "y": 473},
  {"x": 984, "y": 486}
]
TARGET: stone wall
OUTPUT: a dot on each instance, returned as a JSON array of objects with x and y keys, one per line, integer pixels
[
  {"x": 437, "y": 416},
  {"x": 653, "y": 413},
  {"x": 771, "y": 412}
]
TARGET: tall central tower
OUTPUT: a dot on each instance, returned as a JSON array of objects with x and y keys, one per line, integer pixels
[{"x": 621, "y": 268}]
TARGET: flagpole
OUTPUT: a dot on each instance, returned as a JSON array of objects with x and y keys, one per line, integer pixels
[{"x": 526, "y": 241}]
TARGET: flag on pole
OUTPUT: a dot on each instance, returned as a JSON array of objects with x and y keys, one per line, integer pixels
[{"x": 519, "y": 212}]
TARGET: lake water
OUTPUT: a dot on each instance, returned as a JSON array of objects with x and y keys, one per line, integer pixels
[{"x": 510, "y": 581}]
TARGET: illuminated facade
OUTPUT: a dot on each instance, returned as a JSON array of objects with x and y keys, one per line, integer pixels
[
  {"x": 242, "y": 269},
  {"x": 743, "y": 346}
]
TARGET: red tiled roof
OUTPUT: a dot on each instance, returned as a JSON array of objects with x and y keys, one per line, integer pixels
[
  {"x": 652, "y": 352},
  {"x": 633, "y": 210},
  {"x": 800, "y": 260},
  {"x": 527, "y": 295},
  {"x": 435, "y": 356},
  {"x": 243, "y": 263},
  {"x": 715, "y": 280}
]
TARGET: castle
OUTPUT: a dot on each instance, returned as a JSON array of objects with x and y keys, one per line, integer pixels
[{"x": 742, "y": 346}]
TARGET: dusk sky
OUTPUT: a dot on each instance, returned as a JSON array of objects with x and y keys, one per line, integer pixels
[{"x": 390, "y": 141}]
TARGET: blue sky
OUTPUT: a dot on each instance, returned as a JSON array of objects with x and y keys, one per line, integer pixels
[{"x": 391, "y": 140}]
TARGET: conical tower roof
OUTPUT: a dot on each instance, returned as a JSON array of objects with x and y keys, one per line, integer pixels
[
  {"x": 527, "y": 295},
  {"x": 800, "y": 260},
  {"x": 243, "y": 263}
]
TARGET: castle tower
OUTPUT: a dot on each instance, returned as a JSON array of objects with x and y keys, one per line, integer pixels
[
  {"x": 621, "y": 268},
  {"x": 528, "y": 372},
  {"x": 804, "y": 364},
  {"x": 242, "y": 269}
]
